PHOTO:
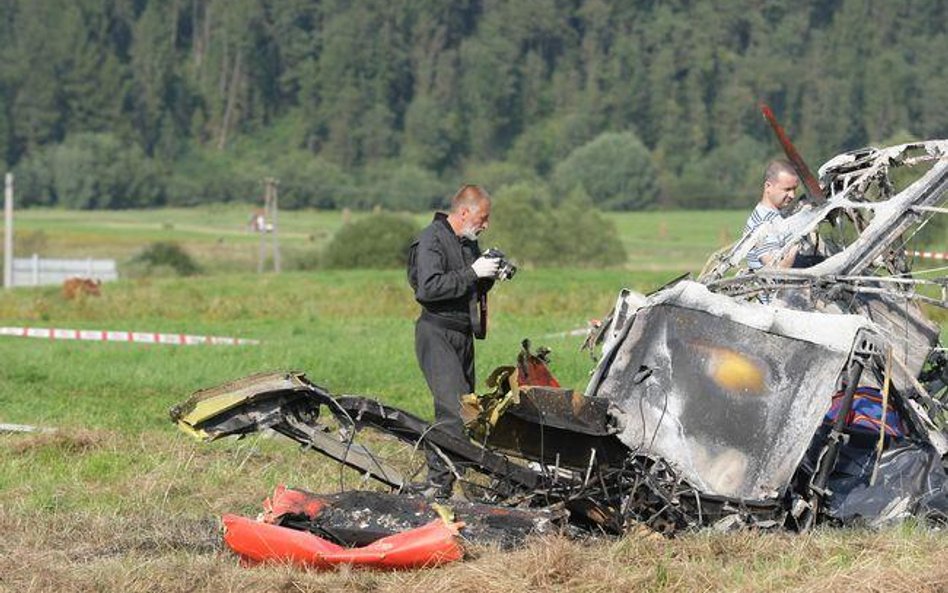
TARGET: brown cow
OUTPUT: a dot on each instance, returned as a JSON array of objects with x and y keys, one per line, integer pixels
[{"x": 76, "y": 286}]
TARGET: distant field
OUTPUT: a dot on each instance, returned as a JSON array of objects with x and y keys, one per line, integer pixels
[
  {"x": 120, "y": 500},
  {"x": 218, "y": 236}
]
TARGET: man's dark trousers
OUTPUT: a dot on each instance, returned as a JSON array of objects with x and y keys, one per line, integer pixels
[{"x": 446, "y": 357}]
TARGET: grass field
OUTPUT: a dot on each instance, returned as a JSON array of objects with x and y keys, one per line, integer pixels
[
  {"x": 119, "y": 500},
  {"x": 218, "y": 238}
]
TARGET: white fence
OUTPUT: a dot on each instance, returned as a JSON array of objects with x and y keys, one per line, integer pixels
[{"x": 38, "y": 271}]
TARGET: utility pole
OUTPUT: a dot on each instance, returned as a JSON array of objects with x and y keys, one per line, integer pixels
[
  {"x": 8, "y": 232},
  {"x": 274, "y": 185},
  {"x": 270, "y": 209}
]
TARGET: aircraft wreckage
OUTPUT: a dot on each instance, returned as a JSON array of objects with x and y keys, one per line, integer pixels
[{"x": 706, "y": 407}]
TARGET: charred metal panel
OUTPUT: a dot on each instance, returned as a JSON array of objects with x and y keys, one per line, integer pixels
[
  {"x": 563, "y": 408},
  {"x": 731, "y": 407},
  {"x": 558, "y": 427},
  {"x": 247, "y": 405},
  {"x": 242, "y": 406},
  {"x": 904, "y": 325},
  {"x": 554, "y": 446},
  {"x": 403, "y": 425}
]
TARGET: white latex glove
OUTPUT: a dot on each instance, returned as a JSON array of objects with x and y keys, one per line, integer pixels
[{"x": 486, "y": 267}]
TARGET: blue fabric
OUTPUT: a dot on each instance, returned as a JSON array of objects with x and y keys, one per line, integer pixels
[{"x": 866, "y": 413}]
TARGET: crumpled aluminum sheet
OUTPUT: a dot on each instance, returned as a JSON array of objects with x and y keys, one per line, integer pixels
[{"x": 726, "y": 399}]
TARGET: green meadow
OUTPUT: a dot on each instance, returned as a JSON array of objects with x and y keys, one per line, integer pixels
[
  {"x": 117, "y": 499},
  {"x": 351, "y": 331},
  {"x": 218, "y": 237}
]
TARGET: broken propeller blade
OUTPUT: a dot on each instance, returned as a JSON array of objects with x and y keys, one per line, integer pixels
[{"x": 810, "y": 182}]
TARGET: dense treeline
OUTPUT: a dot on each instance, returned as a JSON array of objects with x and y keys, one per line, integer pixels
[{"x": 126, "y": 103}]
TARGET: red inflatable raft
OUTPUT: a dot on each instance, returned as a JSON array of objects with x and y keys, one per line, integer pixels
[
  {"x": 429, "y": 545},
  {"x": 287, "y": 501}
]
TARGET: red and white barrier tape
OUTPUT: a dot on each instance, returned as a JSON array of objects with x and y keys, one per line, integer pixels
[
  {"x": 122, "y": 336},
  {"x": 928, "y": 254}
]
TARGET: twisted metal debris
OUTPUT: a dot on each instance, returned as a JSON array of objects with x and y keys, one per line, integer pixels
[{"x": 706, "y": 407}]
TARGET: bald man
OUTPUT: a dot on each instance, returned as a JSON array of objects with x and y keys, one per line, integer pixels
[{"x": 450, "y": 280}]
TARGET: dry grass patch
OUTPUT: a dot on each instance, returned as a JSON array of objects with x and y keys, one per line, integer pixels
[
  {"x": 150, "y": 551},
  {"x": 76, "y": 442},
  {"x": 148, "y": 519}
]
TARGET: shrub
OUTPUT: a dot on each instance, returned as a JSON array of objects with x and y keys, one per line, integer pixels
[
  {"x": 91, "y": 171},
  {"x": 164, "y": 255},
  {"x": 34, "y": 181},
  {"x": 615, "y": 170},
  {"x": 210, "y": 175},
  {"x": 495, "y": 174},
  {"x": 306, "y": 181},
  {"x": 541, "y": 145},
  {"x": 433, "y": 134},
  {"x": 531, "y": 230},
  {"x": 727, "y": 177},
  {"x": 309, "y": 181},
  {"x": 305, "y": 260},
  {"x": 537, "y": 147},
  {"x": 378, "y": 241},
  {"x": 399, "y": 187}
]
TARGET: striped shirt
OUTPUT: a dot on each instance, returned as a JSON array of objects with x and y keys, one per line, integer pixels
[{"x": 771, "y": 242}]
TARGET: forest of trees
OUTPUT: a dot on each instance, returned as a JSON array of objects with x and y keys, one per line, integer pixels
[{"x": 637, "y": 104}]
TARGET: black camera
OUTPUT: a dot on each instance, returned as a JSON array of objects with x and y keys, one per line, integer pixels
[{"x": 505, "y": 269}]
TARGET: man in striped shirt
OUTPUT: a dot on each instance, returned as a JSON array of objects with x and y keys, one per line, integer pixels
[{"x": 780, "y": 187}]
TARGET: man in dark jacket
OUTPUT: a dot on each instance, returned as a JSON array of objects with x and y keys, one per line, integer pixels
[{"x": 451, "y": 279}]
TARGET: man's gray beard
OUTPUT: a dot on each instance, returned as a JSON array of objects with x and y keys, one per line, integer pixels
[{"x": 469, "y": 234}]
